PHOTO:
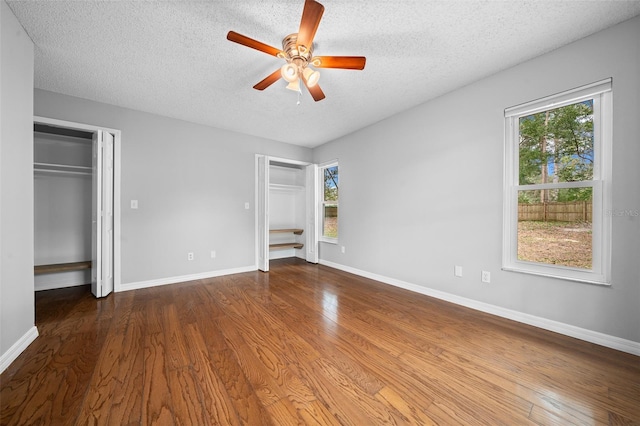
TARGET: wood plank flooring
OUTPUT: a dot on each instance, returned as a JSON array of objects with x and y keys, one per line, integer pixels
[{"x": 303, "y": 344}]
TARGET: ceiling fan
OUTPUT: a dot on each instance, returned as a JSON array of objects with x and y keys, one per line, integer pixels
[{"x": 297, "y": 51}]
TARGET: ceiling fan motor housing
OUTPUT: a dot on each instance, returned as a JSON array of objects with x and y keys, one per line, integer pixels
[{"x": 294, "y": 52}]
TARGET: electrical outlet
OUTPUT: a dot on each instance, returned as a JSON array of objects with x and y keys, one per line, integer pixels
[
  {"x": 134, "y": 204},
  {"x": 342, "y": 249},
  {"x": 213, "y": 254},
  {"x": 246, "y": 206},
  {"x": 486, "y": 276},
  {"x": 457, "y": 271},
  {"x": 190, "y": 256}
]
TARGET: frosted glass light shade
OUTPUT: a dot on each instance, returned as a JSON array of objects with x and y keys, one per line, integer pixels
[
  {"x": 311, "y": 76},
  {"x": 294, "y": 85},
  {"x": 289, "y": 72}
]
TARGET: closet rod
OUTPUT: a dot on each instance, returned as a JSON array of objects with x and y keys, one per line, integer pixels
[
  {"x": 62, "y": 168},
  {"x": 62, "y": 172}
]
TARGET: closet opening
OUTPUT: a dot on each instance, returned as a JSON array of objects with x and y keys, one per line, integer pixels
[
  {"x": 74, "y": 187},
  {"x": 286, "y": 213}
]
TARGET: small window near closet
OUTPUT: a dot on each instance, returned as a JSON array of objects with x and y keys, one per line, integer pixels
[{"x": 329, "y": 202}]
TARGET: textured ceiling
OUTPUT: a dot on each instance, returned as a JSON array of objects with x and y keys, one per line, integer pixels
[{"x": 173, "y": 59}]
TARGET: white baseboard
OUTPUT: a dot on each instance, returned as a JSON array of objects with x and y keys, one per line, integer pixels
[
  {"x": 17, "y": 348},
  {"x": 184, "y": 278},
  {"x": 282, "y": 254},
  {"x": 591, "y": 336},
  {"x": 61, "y": 280},
  {"x": 54, "y": 286}
]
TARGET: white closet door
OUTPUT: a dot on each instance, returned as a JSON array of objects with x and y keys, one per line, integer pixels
[
  {"x": 107, "y": 208},
  {"x": 96, "y": 216},
  {"x": 312, "y": 213},
  {"x": 263, "y": 213},
  {"x": 102, "y": 215}
]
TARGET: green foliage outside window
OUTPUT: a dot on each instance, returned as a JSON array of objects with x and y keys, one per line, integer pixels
[
  {"x": 331, "y": 183},
  {"x": 330, "y": 203},
  {"x": 557, "y": 146}
]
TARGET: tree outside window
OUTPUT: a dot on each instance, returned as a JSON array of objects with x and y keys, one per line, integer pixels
[{"x": 330, "y": 201}]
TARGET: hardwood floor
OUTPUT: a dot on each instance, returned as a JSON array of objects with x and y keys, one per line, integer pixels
[{"x": 303, "y": 344}]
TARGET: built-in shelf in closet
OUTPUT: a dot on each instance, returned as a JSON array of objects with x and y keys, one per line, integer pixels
[
  {"x": 282, "y": 246},
  {"x": 286, "y": 231},
  {"x": 61, "y": 267},
  {"x": 289, "y": 245}
]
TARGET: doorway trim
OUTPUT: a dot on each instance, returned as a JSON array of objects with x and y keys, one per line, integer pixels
[{"x": 117, "y": 134}]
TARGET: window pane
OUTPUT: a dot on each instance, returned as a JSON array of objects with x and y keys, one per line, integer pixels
[
  {"x": 331, "y": 183},
  {"x": 557, "y": 145},
  {"x": 555, "y": 226},
  {"x": 330, "y": 220}
]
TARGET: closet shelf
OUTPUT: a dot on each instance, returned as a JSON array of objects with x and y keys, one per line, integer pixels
[
  {"x": 61, "y": 267},
  {"x": 283, "y": 187},
  {"x": 296, "y": 231},
  {"x": 282, "y": 246},
  {"x": 62, "y": 168}
]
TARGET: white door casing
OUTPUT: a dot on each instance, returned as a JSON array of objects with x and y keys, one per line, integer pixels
[
  {"x": 263, "y": 213},
  {"x": 312, "y": 213},
  {"x": 107, "y": 207}
]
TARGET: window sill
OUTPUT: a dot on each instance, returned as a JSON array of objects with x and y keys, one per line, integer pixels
[
  {"x": 328, "y": 240},
  {"x": 594, "y": 280}
]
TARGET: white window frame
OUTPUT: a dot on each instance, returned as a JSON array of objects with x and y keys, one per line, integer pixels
[
  {"x": 600, "y": 273},
  {"x": 321, "y": 202}
]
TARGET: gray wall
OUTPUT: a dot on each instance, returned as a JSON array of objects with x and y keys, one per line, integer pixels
[
  {"x": 191, "y": 183},
  {"x": 16, "y": 182},
  {"x": 422, "y": 191}
]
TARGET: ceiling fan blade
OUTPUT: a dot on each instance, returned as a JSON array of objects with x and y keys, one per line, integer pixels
[
  {"x": 269, "y": 80},
  {"x": 316, "y": 92},
  {"x": 254, "y": 44},
  {"x": 311, "y": 15},
  {"x": 343, "y": 62}
]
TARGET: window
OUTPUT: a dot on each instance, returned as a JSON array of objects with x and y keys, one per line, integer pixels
[
  {"x": 329, "y": 202},
  {"x": 557, "y": 178}
]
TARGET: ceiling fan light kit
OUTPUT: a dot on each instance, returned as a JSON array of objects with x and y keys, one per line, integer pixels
[
  {"x": 298, "y": 59},
  {"x": 297, "y": 51}
]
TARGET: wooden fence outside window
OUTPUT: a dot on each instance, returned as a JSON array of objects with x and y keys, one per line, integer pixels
[{"x": 577, "y": 211}]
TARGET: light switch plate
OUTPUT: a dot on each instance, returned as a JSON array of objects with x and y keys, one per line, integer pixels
[{"x": 457, "y": 271}]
